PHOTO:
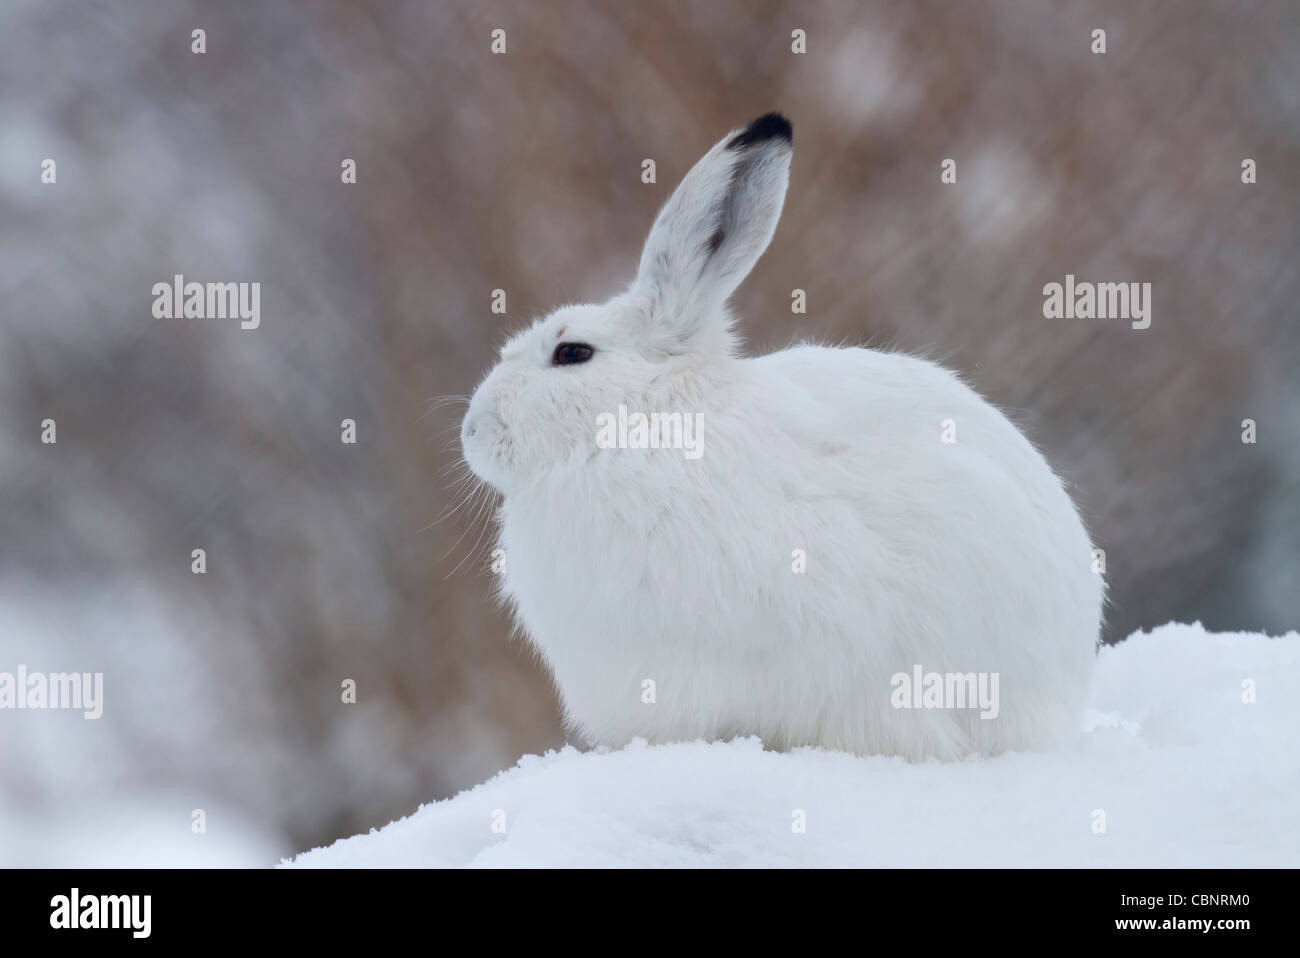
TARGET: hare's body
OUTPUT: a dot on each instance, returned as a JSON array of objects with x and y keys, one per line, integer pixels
[
  {"x": 699, "y": 594},
  {"x": 827, "y": 540}
]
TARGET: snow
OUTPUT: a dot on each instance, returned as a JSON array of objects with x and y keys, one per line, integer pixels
[
  {"x": 1186, "y": 772},
  {"x": 121, "y": 790}
]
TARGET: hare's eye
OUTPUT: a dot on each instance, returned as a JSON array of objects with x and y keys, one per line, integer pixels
[{"x": 570, "y": 354}]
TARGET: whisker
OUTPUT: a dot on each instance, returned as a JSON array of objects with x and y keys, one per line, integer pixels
[
  {"x": 485, "y": 512},
  {"x": 438, "y": 402},
  {"x": 463, "y": 497},
  {"x": 477, "y": 490}
]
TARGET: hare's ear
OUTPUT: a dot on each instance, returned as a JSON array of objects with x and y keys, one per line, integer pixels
[{"x": 712, "y": 230}]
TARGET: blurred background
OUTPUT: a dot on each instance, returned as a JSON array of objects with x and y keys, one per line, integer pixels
[{"x": 522, "y": 172}]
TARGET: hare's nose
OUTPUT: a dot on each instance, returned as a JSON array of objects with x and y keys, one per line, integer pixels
[{"x": 473, "y": 423}]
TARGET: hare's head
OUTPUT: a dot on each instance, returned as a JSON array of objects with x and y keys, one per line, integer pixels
[{"x": 537, "y": 409}]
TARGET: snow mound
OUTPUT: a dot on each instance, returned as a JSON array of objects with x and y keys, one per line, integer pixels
[{"x": 1175, "y": 762}]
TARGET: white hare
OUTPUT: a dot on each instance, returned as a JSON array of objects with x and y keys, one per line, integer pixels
[{"x": 826, "y": 543}]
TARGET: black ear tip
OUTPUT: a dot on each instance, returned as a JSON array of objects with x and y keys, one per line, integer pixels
[{"x": 769, "y": 126}]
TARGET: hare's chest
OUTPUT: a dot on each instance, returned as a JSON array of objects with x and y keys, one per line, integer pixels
[
  {"x": 565, "y": 583},
  {"x": 623, "y": 589},
  {"x": 679, "y": 632}
]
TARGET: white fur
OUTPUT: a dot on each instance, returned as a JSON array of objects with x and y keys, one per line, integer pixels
[{"x": 629, "y": 565}]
